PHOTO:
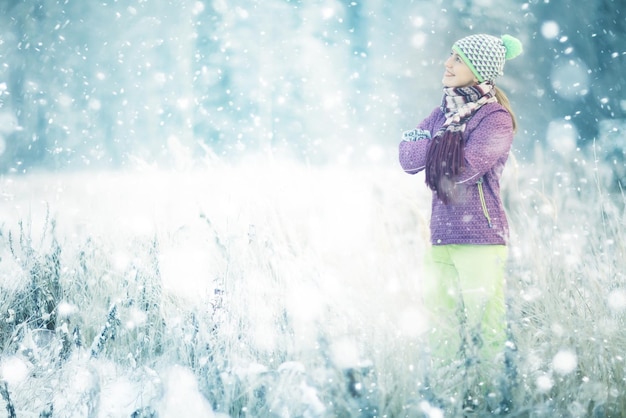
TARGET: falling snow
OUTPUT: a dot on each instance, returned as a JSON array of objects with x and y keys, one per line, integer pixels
[{"x": 203, "y": 215}]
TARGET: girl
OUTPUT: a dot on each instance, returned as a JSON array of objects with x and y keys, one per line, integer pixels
[{"x": 462, "y": 147}]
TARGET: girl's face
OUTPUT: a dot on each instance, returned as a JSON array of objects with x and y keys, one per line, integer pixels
[{"x": 457, "y": 73}]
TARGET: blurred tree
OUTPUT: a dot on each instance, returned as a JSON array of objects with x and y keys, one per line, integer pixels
[
  {"x": 581, "y": 67},
  {"x": 93, "y": 84},
  {"x": 273, "y": 77},
  {"x": 23, "y": 73}
]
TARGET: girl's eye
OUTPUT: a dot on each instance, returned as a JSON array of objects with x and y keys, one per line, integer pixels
[{"x": 456, "y": 56}]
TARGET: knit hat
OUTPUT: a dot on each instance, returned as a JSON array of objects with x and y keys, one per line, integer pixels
[{"x": 485, "y": 54}]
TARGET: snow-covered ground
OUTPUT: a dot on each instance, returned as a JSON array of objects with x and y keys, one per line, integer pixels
[{"x": 273, "y": 288}]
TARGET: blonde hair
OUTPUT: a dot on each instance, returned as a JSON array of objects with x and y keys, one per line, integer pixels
[{"x": 504, "y": 101}]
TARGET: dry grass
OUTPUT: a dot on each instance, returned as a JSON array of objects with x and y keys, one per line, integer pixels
[{"x": 276, "y": 289}]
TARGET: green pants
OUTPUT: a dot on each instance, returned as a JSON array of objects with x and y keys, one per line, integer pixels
[{"x": 463, "y": 291}]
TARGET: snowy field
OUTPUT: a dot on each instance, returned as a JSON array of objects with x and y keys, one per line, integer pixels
[{"x": 273, "y": 289}]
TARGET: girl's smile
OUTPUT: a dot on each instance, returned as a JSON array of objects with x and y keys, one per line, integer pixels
[{"x": 457, "y": 73}]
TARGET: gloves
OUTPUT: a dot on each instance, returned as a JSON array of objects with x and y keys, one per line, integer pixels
[{"x": 415, "y": 135}]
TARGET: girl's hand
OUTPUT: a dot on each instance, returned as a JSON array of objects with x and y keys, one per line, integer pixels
[{"x": 415, "y": 135}]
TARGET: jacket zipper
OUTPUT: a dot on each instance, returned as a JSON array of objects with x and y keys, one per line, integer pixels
[{"x": 483, "y": 203}]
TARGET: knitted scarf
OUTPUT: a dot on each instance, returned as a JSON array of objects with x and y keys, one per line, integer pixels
[{"x": 445, "y": 158}]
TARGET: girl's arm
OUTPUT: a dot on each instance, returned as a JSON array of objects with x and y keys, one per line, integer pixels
[
  {"x": 489, "y": 141},
  {"x": 412, "y": 153}
]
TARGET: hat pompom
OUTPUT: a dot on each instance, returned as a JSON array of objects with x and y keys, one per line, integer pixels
[{"x": 512, "y": 45}]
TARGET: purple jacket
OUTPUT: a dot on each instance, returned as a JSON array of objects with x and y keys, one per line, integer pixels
[{"x": 467, "y": 220}]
